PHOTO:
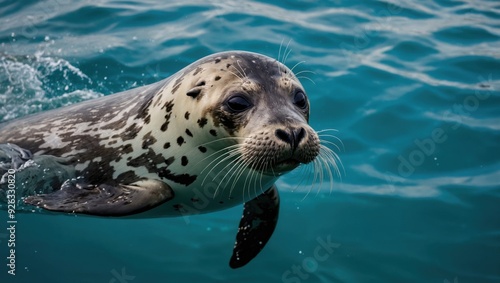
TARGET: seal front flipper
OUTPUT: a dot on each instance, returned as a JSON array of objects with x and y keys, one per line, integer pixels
[
  {"x": 105, "y": 200},
  {"x": 257, "y": 224}
]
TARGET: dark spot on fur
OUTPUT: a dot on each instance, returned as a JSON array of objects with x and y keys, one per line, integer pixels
[
  {"x": 143, "y": 111},
  {"x": 112, "y": 142},
  {"x": 164, "y": 126},
  {"x": 148, "y": 140},
  {"x": 186, "y": 115},
  {"x": 180, "y": 141},
  {"x": 98, "y": 172},
  {"x": 166, "y": 145},
  {"x": 188, "y": 132},
  {"x": 213, "y": 132},
  {"x": 127, "y": 177},
  {"x": 183, "y": 179},
  {"x": 126, "y": 148},
  {"x": 217, "y": 60},
  {"x": 168, "y": 108},
  {"x": 198, "y": 70},
  {"x": 184, "y": 161},
  {"x": 131, "y": 132},
  {"x": 177, "y": 84},
  {"x": 202, "y": 122},
  {"x": 217, "y": 78},
  {"x": 202, "y": 149},
  {"x": 150, "y": 160},
  {"x": 228, "y": 65},
  {"x": 169, "y": 161}
]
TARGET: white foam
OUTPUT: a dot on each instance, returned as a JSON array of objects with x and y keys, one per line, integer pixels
[{"x": 30, "y": 84}]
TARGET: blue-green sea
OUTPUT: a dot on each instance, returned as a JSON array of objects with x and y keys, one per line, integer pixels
[{"x": 411, "y": 88}]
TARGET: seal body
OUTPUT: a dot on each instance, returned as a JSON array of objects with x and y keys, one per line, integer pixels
[{"x": 216, "y": 134}]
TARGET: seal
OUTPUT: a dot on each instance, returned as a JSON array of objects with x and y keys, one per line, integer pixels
[{"x": 216, "y": 134}]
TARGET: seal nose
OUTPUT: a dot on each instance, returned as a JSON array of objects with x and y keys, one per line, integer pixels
[{"x": 293, "y": 136}]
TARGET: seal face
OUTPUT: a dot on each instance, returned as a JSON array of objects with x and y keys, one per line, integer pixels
[{"x": 215, "y": 134}]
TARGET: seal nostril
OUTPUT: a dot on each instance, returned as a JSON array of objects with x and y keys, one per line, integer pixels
[
  {"x": 293, "y": 138},
  {"x": 284, "y": 136},
  {"x": 299, "y": 135}
]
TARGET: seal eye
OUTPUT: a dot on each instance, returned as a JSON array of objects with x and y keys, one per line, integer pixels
[
  {"x": 238, "y": 104},
  {"x": 300, "y": 99}
]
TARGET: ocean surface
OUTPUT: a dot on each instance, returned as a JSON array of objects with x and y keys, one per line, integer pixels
[{"x": 411, "y": 88}]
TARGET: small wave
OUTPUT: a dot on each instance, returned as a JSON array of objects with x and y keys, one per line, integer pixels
[{"x": 33, "y": 83}]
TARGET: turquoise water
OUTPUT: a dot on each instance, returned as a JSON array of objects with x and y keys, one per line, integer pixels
[{"x": 412, "y": 88}]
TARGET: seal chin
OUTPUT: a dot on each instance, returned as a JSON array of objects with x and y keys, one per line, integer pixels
[{"x": 283, "y": 167}]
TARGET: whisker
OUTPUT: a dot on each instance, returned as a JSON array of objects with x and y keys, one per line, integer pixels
[
  {"x": 222, "y": 158},
  {"x": 331, "y": 143},
  {"x": 239, "y": 169},
  {"x": 242, "y": 79},
  {"x": 221, "y": 139},
  {"x": 322, "y": 136},
  {"x": 327, "y": 130},
  {"x": 304, "y": 71},
  {"x": 287, "y": 53},
  {"x": 238, "y": 159},
  {"x": 278, "y": 61},
  {"x": 333, "y": 159},
  {"x": 294, "y": 66},
  {"x": 222, "y": 152},
  {"x": 309, "y": 79},
  {"x": 303, "y": 175},
  {"x": 241, "y": 70}
]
